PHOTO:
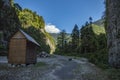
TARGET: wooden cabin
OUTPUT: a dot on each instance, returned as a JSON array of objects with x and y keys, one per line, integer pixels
[{"x": 22, "y": 49}]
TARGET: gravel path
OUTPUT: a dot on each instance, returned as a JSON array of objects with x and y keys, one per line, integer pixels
[
  {"x": 3, "y": 59},
  {"x": 56, "y": 68},
  {"x": 67, "y": 71}
]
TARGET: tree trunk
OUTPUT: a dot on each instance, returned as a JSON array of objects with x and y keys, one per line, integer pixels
[{"x": 113, "y": 31}]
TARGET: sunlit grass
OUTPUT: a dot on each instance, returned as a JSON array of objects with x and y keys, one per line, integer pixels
[{"x": 98, "y": 30}]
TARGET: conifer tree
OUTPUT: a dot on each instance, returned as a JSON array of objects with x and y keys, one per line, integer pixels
[
  {"x": 75, "y": 37},
  {"x": 61, "y": 40}
]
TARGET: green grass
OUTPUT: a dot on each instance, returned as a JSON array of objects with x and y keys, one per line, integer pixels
[
  {"x": 98, "y": 30},
  {"x": 113, "y": 74},
  {"x": 40, "y": 64}
]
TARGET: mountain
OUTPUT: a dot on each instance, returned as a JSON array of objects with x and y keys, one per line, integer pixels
[
  {"x": 55, "y": 36},
  {"x": 99, "y": 22},
  {"x": 93, "y": 38},
  {"x": 98, "y": 29}
]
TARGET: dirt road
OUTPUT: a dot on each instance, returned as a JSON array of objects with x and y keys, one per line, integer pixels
[{"x": 55, "y": 68}]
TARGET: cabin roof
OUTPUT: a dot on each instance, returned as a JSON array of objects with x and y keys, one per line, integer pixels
[{"x": 28, "y": 37}]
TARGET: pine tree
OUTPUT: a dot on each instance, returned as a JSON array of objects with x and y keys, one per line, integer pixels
[
  {"x": 61, "y": 41},
  {"x": 86, "y": 24},
  {"x": 75, "y": 37},
  {"x": 90, "y": 20}
]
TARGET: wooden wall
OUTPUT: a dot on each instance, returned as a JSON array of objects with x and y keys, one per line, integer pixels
[
  {"x": 17, "y": 49},
  {"x": 31, "y": 53},
  {"x": 21, "y": 51}
]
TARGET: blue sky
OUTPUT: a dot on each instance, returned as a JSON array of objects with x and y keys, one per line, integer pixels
[{"x": 64, "y": 14}]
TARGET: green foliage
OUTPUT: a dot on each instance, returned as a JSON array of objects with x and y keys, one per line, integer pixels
[
  {"x": 12, "y": 3},
  {"x": 9, "y": 23},
  {"x": 1, "y": 47},
  {"x": 93, "y": 38},
  {"x": 100, "y": 58},
  {"x": 12, "y": 18},
  {"x": 68, "y": 43},
  {"x": 75, "y": 38},
  {"x": 90, "y": 20},
  {"x": 34, "y": 25},
  {"x": 8, "y": 20},
  {"x": 113, "y": 74},
  {"x": 29, "y": 18},
  {"x": 17, "y": 7},
  {"x": 88, "y": 43},
  {"x": 3, "y": 50},
  {"x": 1, "y": 4},
  {"x": 98, "y": 30},
  {"x": 39, "y": 36},
  {"x": 1, "y": 35},
  {"x": 94, "y": 45},
  {"x": 61, "y": 41},
  {"x": 40, "y": 64},
  {"x": 52, "y": 44}
]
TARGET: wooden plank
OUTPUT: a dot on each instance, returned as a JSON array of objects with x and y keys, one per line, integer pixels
[
  {"x": 17, "y": 51},
  {"x": 18, "y": 35}
]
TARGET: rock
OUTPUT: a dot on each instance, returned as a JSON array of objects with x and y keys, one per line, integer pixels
[
  {"x": 113, "y": 31},
  {"x": 43, "y": 54},
  {"x": 70, "y": 59}
]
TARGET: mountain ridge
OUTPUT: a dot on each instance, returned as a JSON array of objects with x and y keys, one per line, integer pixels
[{"x": 97, "y": 23}]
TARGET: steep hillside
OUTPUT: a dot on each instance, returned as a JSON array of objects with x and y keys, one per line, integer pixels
[
  {"x": 13, "y": 18},
  {"x": 98, "y": 29},
  {"x": 35, "y": 26},
  {"x": 94, "y": 45},
  {"x": 9, "y": 21},
  {"x": 55, "y": 36},
  {"x": 93, "y": 38},
  {"x": 99, "y": 22}
]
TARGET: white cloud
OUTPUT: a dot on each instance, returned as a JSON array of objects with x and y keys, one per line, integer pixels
[{"x": 50, "y": 28}]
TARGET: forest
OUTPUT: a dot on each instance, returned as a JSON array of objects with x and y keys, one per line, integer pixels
[
  {"x": 99, "y": 42},
  {"x": 90, "y": 41}
]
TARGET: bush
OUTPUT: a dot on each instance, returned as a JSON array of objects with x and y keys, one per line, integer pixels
[
  {"x": 100, "y": 58},
  {"x": 3, "y": 51},
  {"x": 113, "y": 74},
  {"x": 2, "y": 48}
]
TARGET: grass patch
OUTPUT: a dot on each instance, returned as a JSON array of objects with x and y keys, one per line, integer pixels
[
  {"x": 52, "y": 56},
  {"x": 40, "y": 64},
  {"x": 113, "y": 74},
  {"x": 3, "y": 67},
  {"x": 99, "y": 58}
]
